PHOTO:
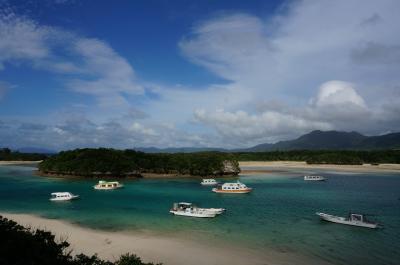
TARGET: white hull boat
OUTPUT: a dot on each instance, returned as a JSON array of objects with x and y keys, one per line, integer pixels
[
  {"x": 108, "y": 185},
  {"x": 209, "y": 182},
  {"x": 193, "y": 213},
  {"x": 190, "y": 210},
  {"x": 63, "y": 196},
  {"x": 353, "y": 219},
  {"x": 237, "y": 188},
  {"x": 314, "y": 178}
]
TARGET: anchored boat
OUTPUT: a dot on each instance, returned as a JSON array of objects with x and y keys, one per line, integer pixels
[
  {"x": 314, "y": 178},
  {"x": 63, "y": 196},
  {"x": 107, "y": 185},
  {"x": 236, "y": 187},
  {"x": 209, "y": 182},
  {"x": 191, "y": 210},
  {"x": 353, "y": 219}
]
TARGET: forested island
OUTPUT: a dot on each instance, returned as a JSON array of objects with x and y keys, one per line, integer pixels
[
  {"x": 6, "y": 154},
  {"x": 103, "y": 162},
  {"x": 106, "y": 162}
]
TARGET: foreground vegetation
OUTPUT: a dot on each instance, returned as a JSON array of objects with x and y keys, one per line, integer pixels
[
  {"x": 120, "y": 163},
  {"x": 325, "y": 157},
  {"x": 7, "y": 155},
  {"x": 22, "y": 246}
]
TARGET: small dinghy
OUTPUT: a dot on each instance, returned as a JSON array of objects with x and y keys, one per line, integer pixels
[
  {"x": 353, "y": 219},
  {"x": 63, "y": 196}
]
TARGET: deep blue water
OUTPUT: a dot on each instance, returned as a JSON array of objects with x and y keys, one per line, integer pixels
[{"x": 279, "y": 214}]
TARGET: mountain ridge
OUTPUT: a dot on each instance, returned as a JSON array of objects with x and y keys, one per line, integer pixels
[{"x": 314, "y": 140}]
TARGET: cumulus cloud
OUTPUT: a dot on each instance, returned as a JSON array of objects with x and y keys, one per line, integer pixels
[
  {"x": 248, "y": 129},
  {"x": 285, "y": 58}
]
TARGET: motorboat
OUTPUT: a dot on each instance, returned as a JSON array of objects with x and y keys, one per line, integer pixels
[
  {"x": 209, "y": 182},
  {"x": 314, "y": 178},
  {"x": 353, "y": 219},
  {"x": 236, "y": 187},
  {"x": 63, "y": 196},
  {"x": 107, "y": 185},
  {"x": 191, "y": 210}
]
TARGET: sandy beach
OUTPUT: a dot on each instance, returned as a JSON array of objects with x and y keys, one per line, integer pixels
[
  {"x": 273, "y": 166},
  {"x": 19, "y": 162},
  {"x": 152, "y": 248}
]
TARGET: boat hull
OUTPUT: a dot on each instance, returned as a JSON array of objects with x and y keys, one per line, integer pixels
[
  {"x": 64, "y": 199},
  {"x": 214, "y": 210},
  {"x": 194, "y": 214},
  {"x": 344, "y": 221},
  {"x": 232, "y": 191},
  {"x": 107, "y": 188}
]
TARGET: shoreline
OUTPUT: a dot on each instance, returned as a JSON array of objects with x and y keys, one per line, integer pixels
[
  {"x": 130, "y": 177},
  {"x": 168, "y": 250},
  {"x": 16, "y": 162},
  {"x": 283, "y": 166}
]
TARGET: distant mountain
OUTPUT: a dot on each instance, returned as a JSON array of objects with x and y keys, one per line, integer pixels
[
  {"x": 315, "y": 140},
  {"x": 35, "y": 150},
  {"x": 333, "y": 140}
]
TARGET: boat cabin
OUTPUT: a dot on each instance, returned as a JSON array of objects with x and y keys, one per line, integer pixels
[
  {"x": 105, "y": 184},
  {"x": 60, "y": 195},
  {"x": 357, "y": 217}
]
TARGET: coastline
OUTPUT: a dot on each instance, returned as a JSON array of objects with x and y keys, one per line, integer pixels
[
  {"x": 274, "y": 166},
  {"x": 131, "y": 177},
  {"x": 153, "y": 248},
  {"x": 16, "y": 162}
]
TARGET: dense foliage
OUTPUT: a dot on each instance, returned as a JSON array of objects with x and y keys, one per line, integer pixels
[
  {"x": 7, "y": 155},
  {"x": 103, "y": 162},
  {"x": 324, "y": 157},
  {"x": 22, "y": 246}
]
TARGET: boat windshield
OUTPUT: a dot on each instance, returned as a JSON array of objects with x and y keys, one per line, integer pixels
[{"x": 357, "y": 217}]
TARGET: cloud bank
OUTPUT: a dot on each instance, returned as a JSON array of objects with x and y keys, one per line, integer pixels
[{"x": 311, "y": 65}]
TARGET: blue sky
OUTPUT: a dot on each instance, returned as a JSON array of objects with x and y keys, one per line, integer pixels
[{"x": 195, "y": 73}]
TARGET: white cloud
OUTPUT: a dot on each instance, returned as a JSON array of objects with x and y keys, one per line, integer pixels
[
  {"x": 91, "y": 65},
  {"x": 139, "y": 128},
  {"x": 282, "y": 77},
  {"x": 338, "y": 93},
  {"x": 246, "y": 129}
]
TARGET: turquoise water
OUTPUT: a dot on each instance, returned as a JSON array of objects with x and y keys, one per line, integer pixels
[{"x": 279, "y": 214}]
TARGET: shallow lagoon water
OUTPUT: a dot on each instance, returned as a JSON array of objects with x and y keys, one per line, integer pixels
[{"x": 279, "y": 214}]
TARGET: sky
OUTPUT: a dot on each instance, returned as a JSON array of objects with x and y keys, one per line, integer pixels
[{"x": 205, "y": 73}]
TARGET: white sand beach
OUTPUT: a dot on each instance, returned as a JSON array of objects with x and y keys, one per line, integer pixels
[
  {"x": 269, "y": 166},
  {"x": 19, "y": 162},
  {"x": 152, "y": 248}
]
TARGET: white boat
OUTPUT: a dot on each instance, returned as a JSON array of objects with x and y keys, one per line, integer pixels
[
  {"x": 353, "y": 219},
  {"x": 236, "y": 187},
  {"x": 190, "y": 210},
  {"x": 107, "y": 185},
  {"x": 209, "y": 182},
  {"x": 63, "y": 196},
  {"x": 314, "y": 178}
]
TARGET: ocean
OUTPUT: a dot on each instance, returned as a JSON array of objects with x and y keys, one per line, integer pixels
[{"x": 279, "y": 214}]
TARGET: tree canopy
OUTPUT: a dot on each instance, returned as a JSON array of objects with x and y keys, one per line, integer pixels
[{"x": 120, "y": 163}]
